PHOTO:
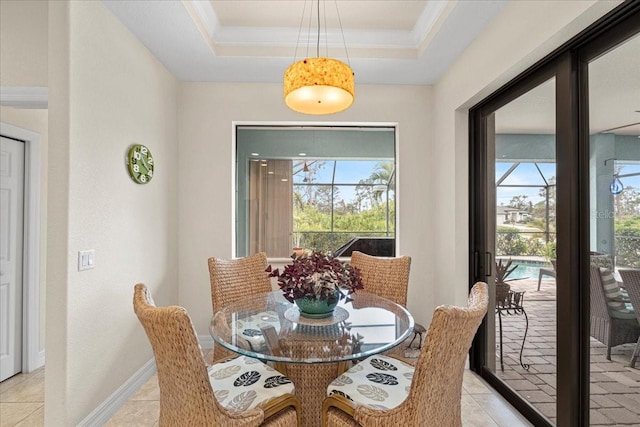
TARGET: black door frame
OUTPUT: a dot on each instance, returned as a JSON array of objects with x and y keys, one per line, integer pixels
[{"x": 569, "y": 65}]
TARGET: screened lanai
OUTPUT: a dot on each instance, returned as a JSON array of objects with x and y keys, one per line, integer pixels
[{"x": 313, "y": 187}]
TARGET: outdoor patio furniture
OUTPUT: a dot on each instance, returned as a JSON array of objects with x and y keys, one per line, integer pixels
[
  {"x": 384, "y": 391},
  {"x": 512, "y": 305},
  {"x": 610, "y": 326},
  {"x": 631, "y": 281},
  {"x": 547, "y": 272}
]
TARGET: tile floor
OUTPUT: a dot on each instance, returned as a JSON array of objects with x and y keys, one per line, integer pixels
[
  {"x": 615, "y": 387},
  {"x": 22, "y": 404}
]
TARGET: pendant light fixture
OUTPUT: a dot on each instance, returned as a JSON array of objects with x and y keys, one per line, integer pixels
[{"x": 319, "y": 85}]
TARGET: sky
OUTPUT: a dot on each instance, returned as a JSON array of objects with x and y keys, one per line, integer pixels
[
  {"x": 526, "y": 174},
  {"x": 351, "y": 171}
]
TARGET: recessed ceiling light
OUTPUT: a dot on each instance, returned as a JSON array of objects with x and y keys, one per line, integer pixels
[
  {"x": 284, "y": 179},
  {"x": 302, "y": 154},
  {"x": 270, "y": 172},
  {"x": 264, "y": 165},
  {"x": 255, "y": 154}
]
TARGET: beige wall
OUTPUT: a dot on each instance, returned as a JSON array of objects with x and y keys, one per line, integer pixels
[
  {"x": 23, "y": 42},
  {"x": 433, "y": 186},
  {"x": 106, "y": 93},
  {"x": 36, "y": 121},
  {"x": 206, "y": 113}
]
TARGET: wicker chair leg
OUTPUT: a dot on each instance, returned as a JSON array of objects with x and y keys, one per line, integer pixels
[
  {"x": 609, "y": 337},
  {"x": 634, "y": 356}
]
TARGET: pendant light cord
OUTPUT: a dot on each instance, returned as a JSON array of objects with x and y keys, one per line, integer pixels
[
  {"x": 295, "y": 52},
  {"x": 318, "y": 41},
  {"x": 344, "y": 42}
]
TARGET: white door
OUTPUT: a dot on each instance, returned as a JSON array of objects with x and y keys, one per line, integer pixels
[{"x": 11, "y": 236}]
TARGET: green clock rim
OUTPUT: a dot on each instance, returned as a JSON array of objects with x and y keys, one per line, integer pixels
[{"x": 132, "y": 173}]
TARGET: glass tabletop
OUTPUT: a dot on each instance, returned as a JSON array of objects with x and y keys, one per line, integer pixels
[{"x": 270, "y": 328}]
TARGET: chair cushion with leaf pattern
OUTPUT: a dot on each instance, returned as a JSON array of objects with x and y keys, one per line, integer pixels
[
  {"x": 249, "y": 329},
  {"x": 242, "y": 383},
  {"x": 379, "y": 382}
]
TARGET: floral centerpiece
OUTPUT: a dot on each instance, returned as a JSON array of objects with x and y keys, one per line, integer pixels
[{"x": 320, "y": 279}]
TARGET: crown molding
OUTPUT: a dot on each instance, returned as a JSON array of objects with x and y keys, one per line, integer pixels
[
  {"x": 33, "y": 97},
  {"x": 244, "y": 41}
]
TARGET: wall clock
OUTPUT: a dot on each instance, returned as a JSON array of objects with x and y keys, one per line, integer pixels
[{"x": 141, "y": 164}]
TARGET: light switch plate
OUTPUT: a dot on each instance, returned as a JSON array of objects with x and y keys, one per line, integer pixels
[{"x": 85, "y": 260}]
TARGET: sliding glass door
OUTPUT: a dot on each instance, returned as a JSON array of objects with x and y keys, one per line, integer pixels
[
  {"x": 614, "y": 233},
  {"x": 555, "y": 214},
  {"x": 519, "y": 256}
]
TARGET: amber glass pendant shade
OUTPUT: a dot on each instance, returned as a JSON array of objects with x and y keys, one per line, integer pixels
[{"x": 319, "y": 86}]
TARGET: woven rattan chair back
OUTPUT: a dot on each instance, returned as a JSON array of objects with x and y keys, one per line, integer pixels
[
  {"x": 435, "y": 394},
  {"x": 232, "y": 280},
  {"x": 631, "y": 280},
  {"x": 605, "y": 328},
  {"x": 598, "y": 298},
  {"x": 436, "y": 389},
  {"x": 186, "y": 396},
  {"x": 387, "y": 277}
]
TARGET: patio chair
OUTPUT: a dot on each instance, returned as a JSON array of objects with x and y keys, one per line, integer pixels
[
  {"x": 384, "y": 391},
  {"x": 187, "y": 384},
  {"x": 631, "y": 281},
  {"x": 234, "y": 279},
  {"x": 547, "y": 272},
  {"x": 613, "y": 321}
]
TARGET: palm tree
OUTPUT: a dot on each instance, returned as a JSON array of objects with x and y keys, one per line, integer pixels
[{"x": 383, "y": 178}]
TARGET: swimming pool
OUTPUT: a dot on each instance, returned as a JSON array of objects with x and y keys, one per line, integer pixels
[{"x": 530, "y": 269}]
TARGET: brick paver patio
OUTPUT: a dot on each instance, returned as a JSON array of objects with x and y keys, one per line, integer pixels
[{"x": 615, "y": 387}]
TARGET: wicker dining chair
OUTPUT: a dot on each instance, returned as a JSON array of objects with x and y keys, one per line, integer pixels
[
  {"x": 384, "y": 391},
  {"x": 388, "y": 278},
  {"x": 631, "y": 281},
  {"x": 237, "y": 392},
  {"x": 232, "y": 280}
]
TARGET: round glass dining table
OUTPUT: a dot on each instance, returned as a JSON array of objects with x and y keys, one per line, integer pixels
[
  {"x": 311, "y": 352},
  {"x": 270, "y": 328}
]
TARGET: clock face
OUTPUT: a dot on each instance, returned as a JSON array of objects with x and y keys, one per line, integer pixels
[{"x": 141, "y": 164}]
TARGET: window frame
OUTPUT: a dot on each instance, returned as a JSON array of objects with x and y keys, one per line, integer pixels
[{"x": 298, "y": 125}]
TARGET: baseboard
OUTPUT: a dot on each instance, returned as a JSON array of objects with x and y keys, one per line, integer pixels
[
  {"x": 205, "y": 341},
  {"x": 41, "y": 358},
  {"x": 109, "y": 407}
]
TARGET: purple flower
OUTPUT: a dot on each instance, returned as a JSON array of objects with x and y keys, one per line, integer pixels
[{"x": 319, "y": 276}]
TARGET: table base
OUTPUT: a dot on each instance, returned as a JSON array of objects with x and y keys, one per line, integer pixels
[{"x": 311, "y": 382}]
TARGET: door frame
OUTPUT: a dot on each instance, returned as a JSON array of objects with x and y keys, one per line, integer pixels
[{"x": 32, "y": 358}]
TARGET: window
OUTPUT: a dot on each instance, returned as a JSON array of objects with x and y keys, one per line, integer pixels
[{"x": 314, "y": 188}]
